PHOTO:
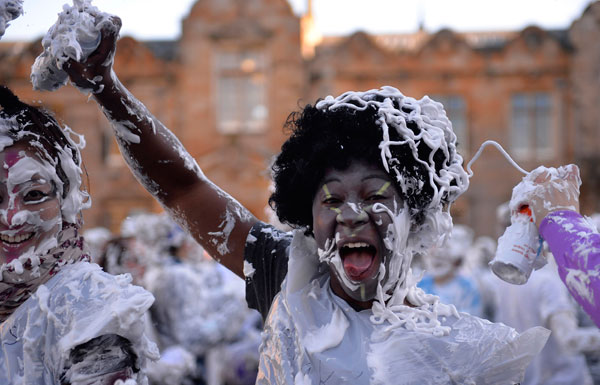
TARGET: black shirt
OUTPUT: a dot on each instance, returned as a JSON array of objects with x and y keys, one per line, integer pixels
[{"x": 267, "y": 251}]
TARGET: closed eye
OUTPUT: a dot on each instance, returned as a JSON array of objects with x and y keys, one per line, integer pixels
[
  {"x": 331, "y": 201},
  {"x": 376, "y": 197}
]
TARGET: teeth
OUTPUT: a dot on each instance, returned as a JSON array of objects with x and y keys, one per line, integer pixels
[
  {"x": 356, "y": 245},
  {"x": 15, "y": 239}
]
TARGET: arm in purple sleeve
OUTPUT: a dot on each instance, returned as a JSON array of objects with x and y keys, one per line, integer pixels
[{"x": 575, "y": 245}]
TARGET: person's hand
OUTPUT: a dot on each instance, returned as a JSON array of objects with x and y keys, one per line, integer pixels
[
  {"x": 94, "y": 73},
  {"x": 546, "y": 190}
]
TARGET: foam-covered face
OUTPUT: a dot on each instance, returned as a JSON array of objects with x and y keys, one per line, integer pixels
[
  {"x": 439, "y": 265},
  {"x": 30, "y": 215},
  {"x": 352, "y": 231}
]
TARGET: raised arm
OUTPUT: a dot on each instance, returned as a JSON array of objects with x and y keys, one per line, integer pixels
[{"x": 160, "y": 162}]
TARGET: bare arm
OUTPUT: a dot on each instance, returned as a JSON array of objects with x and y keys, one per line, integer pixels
[{"x": 161, "y": 164}]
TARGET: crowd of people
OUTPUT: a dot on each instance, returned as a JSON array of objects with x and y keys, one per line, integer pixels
[
  {"x": 373, "y": 284},
  {"x": 199, "y": 319}
]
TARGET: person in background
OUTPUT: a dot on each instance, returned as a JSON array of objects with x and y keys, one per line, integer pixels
[
  {"x": 96, "y": 239},
  {"x": 199, "y": 307},
  {"x": 62, "y": 319},
  {"x": 122, "y": 256},
  {"x": 443, "y": 277}
]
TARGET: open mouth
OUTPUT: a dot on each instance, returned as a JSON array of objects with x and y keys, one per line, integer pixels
[
  {"x": 15, "y": 239},
  {"x": 358, "y": 258}
]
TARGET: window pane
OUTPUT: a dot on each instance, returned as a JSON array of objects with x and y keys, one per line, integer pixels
[
  {"x": 241, "y": 92},
  {"x": 227, "y": 105},
  {"x": 520, "y": 137},
  {"x": 543, "y": 122}
]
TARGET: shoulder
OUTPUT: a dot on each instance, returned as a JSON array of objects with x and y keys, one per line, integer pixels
[
  {"x": 266, "y": 243},
  {"x": 265, "y": 232}
]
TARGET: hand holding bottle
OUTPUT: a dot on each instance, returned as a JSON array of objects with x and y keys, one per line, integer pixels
[{"x": 548, "y": 189}]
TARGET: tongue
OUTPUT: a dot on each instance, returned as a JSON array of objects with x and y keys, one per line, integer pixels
[{"x": 357, "y": 262}]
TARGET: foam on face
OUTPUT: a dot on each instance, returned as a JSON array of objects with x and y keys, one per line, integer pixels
[
  {"x": 75, "y": 35},
  {"x": 29, "y": 168},
  {"x": 9, "y": 10},
  {"x": 393, "y": 293}
]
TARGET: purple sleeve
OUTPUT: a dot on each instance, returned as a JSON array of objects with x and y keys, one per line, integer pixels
[{"x": 575, "y": 245}]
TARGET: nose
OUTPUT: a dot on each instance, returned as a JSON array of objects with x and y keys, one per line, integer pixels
[
  {"x": 8, "y": 216},
  {"x": 351, "y": 215}
]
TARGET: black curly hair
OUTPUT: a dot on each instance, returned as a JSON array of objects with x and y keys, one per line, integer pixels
[
  {"x": 322, "y": 139},
  {"x": 35, "y": 125}
]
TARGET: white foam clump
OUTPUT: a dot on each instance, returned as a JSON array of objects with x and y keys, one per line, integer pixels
[
  {"x": 75, "y": 35},
  {"x": 9, "y": 10},
  {"x": 327, "y": 336},
  {"x": 424, "y": 316},
  {"x": 226, "y": 226},
  {"x": 579, "y": 281},
  {"x": 249, "y": 270}
]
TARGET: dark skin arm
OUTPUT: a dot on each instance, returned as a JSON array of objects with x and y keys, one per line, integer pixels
[{"x": 161, "y": 164}]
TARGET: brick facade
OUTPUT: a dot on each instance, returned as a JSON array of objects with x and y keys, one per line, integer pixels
[{"x": 256, "y": 45}]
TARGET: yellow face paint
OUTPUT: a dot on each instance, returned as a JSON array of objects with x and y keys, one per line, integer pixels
[
  {"x": 383, "y": 188},
  {"x": 327, "y": 196}
]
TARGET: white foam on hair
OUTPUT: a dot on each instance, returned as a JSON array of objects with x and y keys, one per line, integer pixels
[{"x": 435, "y": 129}]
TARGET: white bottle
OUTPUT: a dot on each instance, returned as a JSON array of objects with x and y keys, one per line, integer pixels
[{"x": 518, "y": 249}]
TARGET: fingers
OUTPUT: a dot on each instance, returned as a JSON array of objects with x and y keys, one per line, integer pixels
[
  {"x": 542, "y": 177},
  {"x": 108, "y": 43},
  {"x": 572, "y": 173}
]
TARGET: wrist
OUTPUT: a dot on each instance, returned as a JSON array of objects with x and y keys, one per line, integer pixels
[{"x": 106, "y": 86}]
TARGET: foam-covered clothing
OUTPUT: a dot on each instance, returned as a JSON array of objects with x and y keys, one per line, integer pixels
[
  {"x": 20, "y": 280},
  {"x": 311, "y": 336},
  {"x": 575, "y": 245},
  {"x": 77, "y": 305},
  {"x": 532, "y": 304},
  {"x": 461, "y": 291},
  {"x": 194, "y": 308}
]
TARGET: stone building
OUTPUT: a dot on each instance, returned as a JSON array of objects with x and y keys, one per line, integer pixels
[{"x": 226, "y": 86}]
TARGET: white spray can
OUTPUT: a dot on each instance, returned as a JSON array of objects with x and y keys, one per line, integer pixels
[{"x": 519, "y": 249}]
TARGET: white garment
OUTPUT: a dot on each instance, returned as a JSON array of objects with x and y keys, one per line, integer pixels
[
  {"x": 313, "y": 337},
  {"x": 195, "y": 307},
  {"x": 78, "y": 304},
  {"x": 532, "y": 304}
]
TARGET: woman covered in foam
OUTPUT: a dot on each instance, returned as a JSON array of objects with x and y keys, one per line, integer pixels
[
  {"x": 366, "y": 179},
  {"x": 62, "y": 320}
]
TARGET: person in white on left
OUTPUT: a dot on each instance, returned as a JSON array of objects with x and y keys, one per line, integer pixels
[{"x": 62, "y": 319}]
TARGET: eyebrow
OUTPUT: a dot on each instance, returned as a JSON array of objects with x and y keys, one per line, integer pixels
[
  {"x": 376, "y": 176},
  {"x": 370, "y": 176}
]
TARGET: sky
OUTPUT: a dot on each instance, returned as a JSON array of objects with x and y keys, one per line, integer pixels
[{"x": 153, "y": 19}]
